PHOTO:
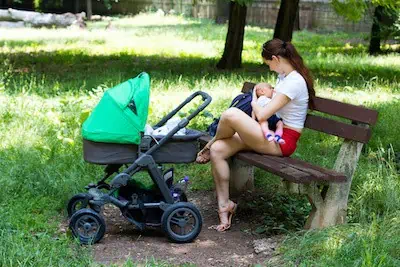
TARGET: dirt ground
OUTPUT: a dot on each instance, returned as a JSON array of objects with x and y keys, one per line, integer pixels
[{"x": 232, "y": 248}]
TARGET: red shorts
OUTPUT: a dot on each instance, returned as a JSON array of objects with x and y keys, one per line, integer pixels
[{"x": 290, "y": 136}]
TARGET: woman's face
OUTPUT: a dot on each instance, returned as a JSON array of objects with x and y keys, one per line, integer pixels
[{"x": 274, "y": 64}]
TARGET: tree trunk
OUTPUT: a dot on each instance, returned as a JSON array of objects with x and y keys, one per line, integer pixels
[
  {"x": 77, "y": 6},
  {"x": 296, "y": 26},
  {"x": 232, "y": 56},
  {"x": 89, "y": 9},
  {"x": 375, "y": 42},
  {"x": 222, "y": 12},
  {"x": 286, "y": 19}
]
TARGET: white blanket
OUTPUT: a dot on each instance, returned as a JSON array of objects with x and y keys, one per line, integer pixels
[{"x": 164, "y": 130}]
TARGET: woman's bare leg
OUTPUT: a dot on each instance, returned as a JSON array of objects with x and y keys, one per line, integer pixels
[
  {"x": 247, "y": 135},
  {"x": 234, "y": 120},
  {"x": 220, "y": 152}
]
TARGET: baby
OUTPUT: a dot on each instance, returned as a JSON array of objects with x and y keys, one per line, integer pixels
[{"x": 264, "y": 96}]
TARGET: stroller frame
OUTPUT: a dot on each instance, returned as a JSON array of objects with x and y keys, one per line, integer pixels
[{"x": 95, "y": 198}]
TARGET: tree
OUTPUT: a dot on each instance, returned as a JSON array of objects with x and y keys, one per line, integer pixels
[
  {"x": 232, "y": 56},
  {"x": 286, "y": 19},
  {"x": 89, "y": 11},
  {"x": 386, "y": 12},
  {"x": 375, "y": 40},
  {"x": 77, "y": 6}
]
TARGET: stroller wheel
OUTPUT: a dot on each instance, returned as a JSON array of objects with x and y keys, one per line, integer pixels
[
  {"x": 80, "y": 201},
  {"x": 88, "y": 226},
  {"x": 182, "y": 222}
]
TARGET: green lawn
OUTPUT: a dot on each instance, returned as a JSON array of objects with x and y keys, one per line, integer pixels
[{"x": 50, "y": 79}]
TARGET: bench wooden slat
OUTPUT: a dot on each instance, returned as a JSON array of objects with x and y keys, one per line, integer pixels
[
  {"x": 329, "y": 175},
  {"x": 269, "y": 164},
  {"x": 290, "y": 169},
  {"x": 337, "y": 128},
  {"x": 348, "y": 111},
  {"x": 336, "y": 108}
]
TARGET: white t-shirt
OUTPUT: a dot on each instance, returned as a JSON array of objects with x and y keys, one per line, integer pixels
[{"x": 294, "y": 86}]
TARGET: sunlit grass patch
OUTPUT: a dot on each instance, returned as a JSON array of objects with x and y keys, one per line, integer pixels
[{"x": 358, "y": 244}]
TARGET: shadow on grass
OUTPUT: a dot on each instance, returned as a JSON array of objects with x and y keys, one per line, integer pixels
[{"x": 71, "y": 71}]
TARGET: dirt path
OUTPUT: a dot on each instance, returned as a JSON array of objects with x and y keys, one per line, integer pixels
[{"x": 232, "y": 248}]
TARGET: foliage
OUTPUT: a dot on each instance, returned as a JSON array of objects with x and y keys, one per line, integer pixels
[
  {"x": 354, "y": 10},
  {"x": 351, "y": 9},
  {"x": 108, "y": 3}
]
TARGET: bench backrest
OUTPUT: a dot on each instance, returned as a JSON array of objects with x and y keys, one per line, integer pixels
[{"x": 349, "y": 130}]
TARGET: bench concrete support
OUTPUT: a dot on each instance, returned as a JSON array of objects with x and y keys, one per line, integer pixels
[
  {"x": 329, "y": 202},
  {"x": 242, "y": 177}
]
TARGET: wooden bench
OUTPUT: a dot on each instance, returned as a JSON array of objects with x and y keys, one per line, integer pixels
[{"x": 327, "y": 190}]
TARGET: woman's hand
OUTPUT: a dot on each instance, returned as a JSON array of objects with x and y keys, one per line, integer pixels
[{"x": 254, "y": 97}]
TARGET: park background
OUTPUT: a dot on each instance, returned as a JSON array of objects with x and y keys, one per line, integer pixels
[{"x": 51, "y": 78}]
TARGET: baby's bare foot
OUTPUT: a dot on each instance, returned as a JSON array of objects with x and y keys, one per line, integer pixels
[
  {"x": 279, "y": 139},
  {"x": 270, "y": 136}
]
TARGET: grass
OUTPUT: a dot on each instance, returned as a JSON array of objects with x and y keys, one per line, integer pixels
[
  {"x": 375, "y": 244},
  {"x": 50, "y": 80}
]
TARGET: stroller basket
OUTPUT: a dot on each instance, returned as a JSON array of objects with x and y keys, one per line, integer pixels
[{"x": 178, "y": 149}]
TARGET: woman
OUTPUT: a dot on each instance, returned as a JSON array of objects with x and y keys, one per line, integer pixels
[{"x": 237, "y": 131}]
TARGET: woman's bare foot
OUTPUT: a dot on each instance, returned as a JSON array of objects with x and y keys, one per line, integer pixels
[
  {"x": 204, "y": 155},
  {"x": 225, "y": 217}
]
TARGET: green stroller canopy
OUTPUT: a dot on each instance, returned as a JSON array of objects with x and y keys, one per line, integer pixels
[{"x": 121, "y": 114}]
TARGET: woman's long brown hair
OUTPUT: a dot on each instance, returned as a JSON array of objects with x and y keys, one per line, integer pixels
[{"x": 277, "y": 47}]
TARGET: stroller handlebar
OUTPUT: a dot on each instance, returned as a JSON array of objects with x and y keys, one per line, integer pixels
[
  {"x": 185, "y": 121},
  {"x": 206, "y": 98},
  {"x": 120, "y": 179}
]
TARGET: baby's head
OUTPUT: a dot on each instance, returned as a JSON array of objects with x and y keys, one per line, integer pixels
[{"x": 267, "y": 91}]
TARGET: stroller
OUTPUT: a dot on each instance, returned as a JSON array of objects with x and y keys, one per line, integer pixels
[{"x": 113, "y": 136}]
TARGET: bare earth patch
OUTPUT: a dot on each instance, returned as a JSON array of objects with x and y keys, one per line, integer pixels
[{"x": 232, "y": 248}]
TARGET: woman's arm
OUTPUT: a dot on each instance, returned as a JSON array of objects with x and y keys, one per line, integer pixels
[{"x": 263, "y": 113}]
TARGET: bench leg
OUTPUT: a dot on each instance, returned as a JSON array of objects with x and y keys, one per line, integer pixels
[
  {"x": 317, "y": 203},
  {"x": 242, "y": 177},
  {"x": 329, "y": 205}
]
